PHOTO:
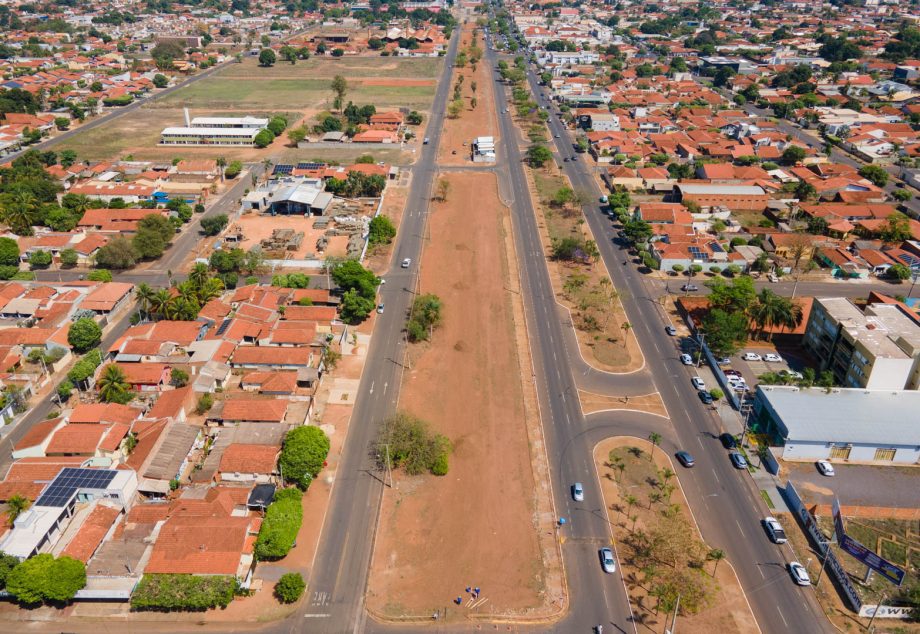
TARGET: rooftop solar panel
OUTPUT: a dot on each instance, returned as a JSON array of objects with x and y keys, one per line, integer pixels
[
  {"x": 70, "y": 480},
  {"x": 283, "y": 169},
  {"x": 310, "y": 166},
  {"x": 223, "y": 326}
]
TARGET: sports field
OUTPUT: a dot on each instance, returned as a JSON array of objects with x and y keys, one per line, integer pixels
[{"x": 298, "y": 90}]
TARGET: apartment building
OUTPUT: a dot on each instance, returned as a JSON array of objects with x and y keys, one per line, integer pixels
[{"x": 875, "y": 348}]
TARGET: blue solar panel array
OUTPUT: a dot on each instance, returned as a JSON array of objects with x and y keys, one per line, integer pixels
[
  {"x": 310, "y": 166},
  {"x": 69, "y": 480},
  {"x": 909, "y": 260},
  {"x": 282, "y": 170},
  {"x": 223, "y": 326}
]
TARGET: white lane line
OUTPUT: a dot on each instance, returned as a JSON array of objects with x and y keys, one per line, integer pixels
[
  {"x": 371, "y": 391},
  {"x": 783, "y": 618},
  {"x": 739, "y": 526}
]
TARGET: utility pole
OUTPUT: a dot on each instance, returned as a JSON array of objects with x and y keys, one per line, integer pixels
[
  {"x": 389, "y": 479},
  {"x": 699, "y": 359},
  {"x": 875, "y": 613},
  {"x": 827, "y": 552},
  {"x": 674, "y": 620}
]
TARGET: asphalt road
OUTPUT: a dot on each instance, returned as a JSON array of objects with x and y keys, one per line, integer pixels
[
  {"x": 595, "y": 597},
  {"x": 726, "y": 502},
  {"x": 335, "y": 598}
]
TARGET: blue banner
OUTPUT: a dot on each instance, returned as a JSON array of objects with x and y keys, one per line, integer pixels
[{"x": 882, "y": 566}]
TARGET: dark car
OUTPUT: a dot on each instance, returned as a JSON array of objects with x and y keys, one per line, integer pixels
[
  {"x": 689, "y": 288},
  {"x": 728, "y": 441},
  {"x": 685, "y": 459},
  {"x": 705, "y": 396}
]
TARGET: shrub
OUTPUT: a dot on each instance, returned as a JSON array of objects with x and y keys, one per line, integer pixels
[
  {"x": 100, "y": 275},
  {"x": 264, "y": 138},
  {"x": 290, "y": 587},
  {"x": 85, "y": 367},
  {"x": 204, "y": 403},
  {"x": 303, "y": 454},
  {"x": 381, "y": 230},
  {"x": 233, "y": 169},
  {"x": 409, "y": 443},
  {"x": 183, "y": 592},
  {"x": 280, "y": 526},
  {"x": 214, "y": 225}
]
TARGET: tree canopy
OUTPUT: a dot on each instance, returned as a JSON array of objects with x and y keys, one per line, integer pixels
[
  {"x": 84, "y": 334},
  {"x": 43, "y": 578},
  {"x": 303, "y": 454}
]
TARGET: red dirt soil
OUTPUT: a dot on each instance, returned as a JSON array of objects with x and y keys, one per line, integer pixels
[{"x": 439, "y": 535}]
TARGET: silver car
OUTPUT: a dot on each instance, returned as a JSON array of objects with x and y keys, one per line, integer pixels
[{"x": 608, "y": 563}]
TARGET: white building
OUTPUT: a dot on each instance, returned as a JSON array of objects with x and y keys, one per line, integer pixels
[
  {"x": 214, "y": 131},
  {"x": 851, "y": 425},
  {"x": 38, "y": 528},
  {"x": 484, "y": 149}
]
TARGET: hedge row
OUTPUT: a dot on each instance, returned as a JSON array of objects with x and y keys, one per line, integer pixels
[
  {"x": 280, "y": 526},
  {"x": 183, "y": 592}
]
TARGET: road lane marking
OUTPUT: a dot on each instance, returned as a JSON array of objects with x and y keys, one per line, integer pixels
[
  {"x": 371, "y": 391},
  {"x": 316, "y": 616}
]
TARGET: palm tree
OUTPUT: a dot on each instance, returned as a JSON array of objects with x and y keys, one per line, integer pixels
[
  {"x": 716, "y": 555},
  {"x": 113, "y": 385},
  {"x": 221, "y": 163},
  {"x": 19, "y": 207},
  {"x": 198, "y": 275},
  {"x": 160, "y": 301},
  {"x": 211, "y": 289},
  {"x": 655, "y": 439},
  {"x": 144, "y": 295},
  {"x": 631, "y": 502},
  {"x": 788, "y": 314},
  {"x": 626, "y": 326},
  {"x": 15, "y": 506}
]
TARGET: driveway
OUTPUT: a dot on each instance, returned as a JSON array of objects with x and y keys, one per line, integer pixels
[{"x": 858, "y": 485}]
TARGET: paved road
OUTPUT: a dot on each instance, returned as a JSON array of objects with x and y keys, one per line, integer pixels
[
  {"x": 594, "y": 596},
  {"x": 335, "y": 599},
  {"x": 725, "y": 501}
]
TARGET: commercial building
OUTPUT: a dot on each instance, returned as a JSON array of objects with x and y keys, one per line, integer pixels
[
  {"x": 214, "y": 131},
  {"x": 854, "y": 425},
  {"x": 484, "y": 149},
  {"x": 874, "y": 348}
]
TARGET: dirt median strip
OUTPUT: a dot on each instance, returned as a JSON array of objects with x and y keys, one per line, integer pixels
[{"x": 480, "y": 525}]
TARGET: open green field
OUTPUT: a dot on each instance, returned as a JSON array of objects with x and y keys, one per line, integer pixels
[{"x": 299, "y": 90}]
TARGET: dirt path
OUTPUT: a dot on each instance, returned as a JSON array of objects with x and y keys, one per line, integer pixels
[
  {"x": 439, "y": 535},
  {"x": 472, "y": 122}
]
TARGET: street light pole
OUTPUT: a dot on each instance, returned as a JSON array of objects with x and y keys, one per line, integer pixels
[
  {"x": 875, "y": 613},
  {"x": 699, "y": 359},
  {"x": 827, "y": 552}
]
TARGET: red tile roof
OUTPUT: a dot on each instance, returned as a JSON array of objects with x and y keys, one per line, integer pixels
[
  {"x": 254, "y": 410},
  {"x": 240, "y": 458},
  {"x": 91, "y": 534}
]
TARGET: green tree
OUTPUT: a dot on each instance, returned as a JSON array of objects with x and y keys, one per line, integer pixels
[
  {"x": 637, "y": 231},
  {"x": 60, "y": 219},
  {"x": 280, "y": 526},
  {"x": 409, "y": 443},
  {"x": 84, "y": 334},
  {"x": 263, "y": 138},
  {"x": 726, "y": 332},
  {"x": 290, "y": 587},
  {"x": 339, "y": 88},
  {"x": 899, "y": 272},
  {"x": 14, "y": 508},
  {"x": 43, "y": 578},
  {"x": 381, "y": 230},
  {"x": 297, "y": 135},
  {"x": 233, "y": 169},
  {"x": 793, "y": 154},
  {"x": 303, "y": 454},
  {"x": 538, "y": 155},
  {"x": 113, "y": 385},
  {"x": 40, "y": 259},
  {"x": 7, "y": 563},
  {"x": 874, "y": 174},
  {"x": 267, "y": 57},
  {"x": 896, "y": 228},
  {"x": 349, "y": 275},
  {"x": 355, "y": 307},
  {"x": 9, "y": 252},
  {"x": 213, "y": 225},
  {"x": 178, "y": 377},
  {"x": 655, "y": 439}
]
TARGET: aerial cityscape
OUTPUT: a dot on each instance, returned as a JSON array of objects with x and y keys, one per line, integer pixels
[{"x": 460, "y": 315}]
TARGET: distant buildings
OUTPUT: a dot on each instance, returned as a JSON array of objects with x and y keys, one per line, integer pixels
[{"x": 214, "y": 131}]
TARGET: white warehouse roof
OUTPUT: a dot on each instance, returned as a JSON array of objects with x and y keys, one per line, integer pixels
[
  {"x": 847, "y": 415},
  {"x": 251, "y": 132},
  {"x": 729, "y": 190},
  {"x": 243, "y": 122}
]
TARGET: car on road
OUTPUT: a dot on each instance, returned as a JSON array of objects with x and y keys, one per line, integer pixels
[
  {"x": 686, "y": 359},
  {"x": 825, "y": 468},
  {"x": 728, "y": 441},
  {"x": 685, "y": 459},
  {"x": 705, "y": 396},
  {"x": 608, "y": 563},
  {"x": 406, "y": 262},
  {"x": 578, "y": 492},
  {"x": 671, "y": 330},
  {"x": 565, "y": 160},
  {"x": 379, "y": 309},
  {"x": 791, "y": 374},
  {"x": 689, "y": 288},
  {"x": 772, "y": 358},
  {"x": 731, "y": 372},
  {"x": 723, "y": 361},
  {"x": 752, "y": 356},
  {"x": 574, "y": 158},
  {"x": 604, "y": 200},
  {"x": 774, "y": 530},
  {"x": 555, "y": 136},
  {"x": 698, "y": 383},
  {"x": 799, "y": 574},
  {"x": 426, "y": 141},
  {"x": 738, "y": 461}
]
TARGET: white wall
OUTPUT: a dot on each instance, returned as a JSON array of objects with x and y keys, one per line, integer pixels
[
  {"x": 794, "y": 450},
  {"x": 890, "y": 374}
]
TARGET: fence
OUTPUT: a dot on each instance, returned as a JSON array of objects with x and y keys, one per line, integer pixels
[{"x": 797, "y": 506}]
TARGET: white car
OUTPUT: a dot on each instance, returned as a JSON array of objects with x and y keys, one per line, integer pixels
[
  {"x": 608, "y": 563},
  {"x": 772, "y": 358},
  {"x": 825, "y": 468},
  {"x": 698, "y": 383},
  {"x": 578, "y": 492},
  {"x": 752, "y": 356},
  {"x": 774, "y": 530},
  {"x": 799, "y": 574},
  {"x": 686, "y": 359},
  {"x": 405, "y": 263}
]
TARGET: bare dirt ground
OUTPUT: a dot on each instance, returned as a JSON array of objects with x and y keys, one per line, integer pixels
[
  {"x": 473, "y": 122},
  {"x": 728, "y": 610},
  {"x": 439, "y": 535},
  {"x": 651, "y": 403},
  {"x": 394, "y": 204}
]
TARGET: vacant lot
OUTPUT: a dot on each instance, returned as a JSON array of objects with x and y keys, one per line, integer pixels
[
  {"x": 649, "y": 516},
  {"x": 298, "y": 91},
  {"x": 439, "y": 535}
]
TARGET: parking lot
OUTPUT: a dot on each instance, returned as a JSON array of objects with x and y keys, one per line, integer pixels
[{"x": 857, "y": 485}]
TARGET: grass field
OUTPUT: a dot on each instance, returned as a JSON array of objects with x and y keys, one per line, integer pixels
[{"x": 296, "y": 90}]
